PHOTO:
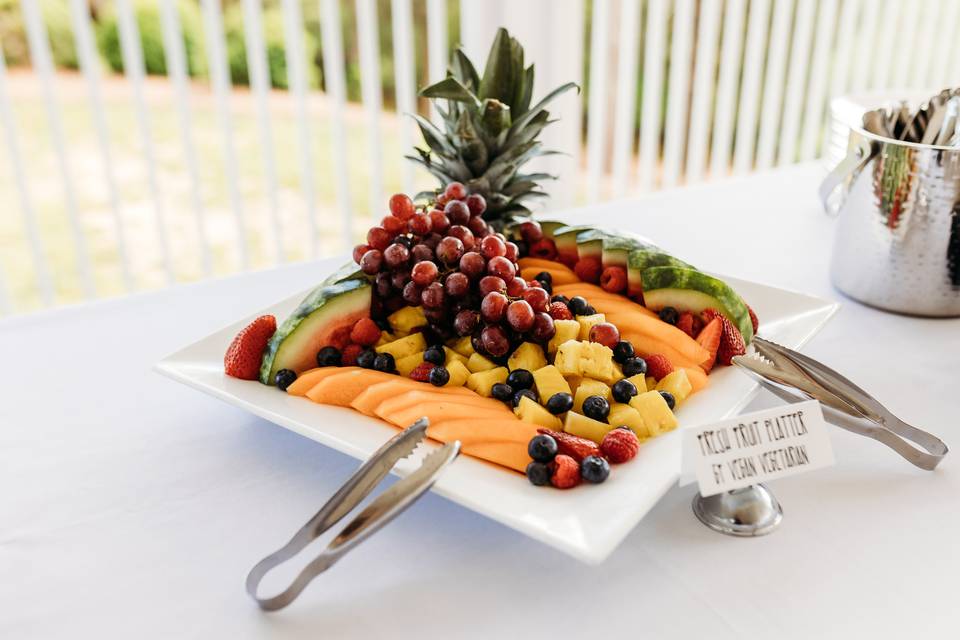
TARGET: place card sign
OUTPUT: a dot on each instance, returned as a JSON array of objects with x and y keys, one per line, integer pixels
[{"x": 756, "y": 447}]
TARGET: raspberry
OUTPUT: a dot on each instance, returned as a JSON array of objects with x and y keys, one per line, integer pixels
[
  {"x": 242, "y": 359},
  {"x": 685, "y": 323},
  {"x": 565, "y": 472},
  {"x": 421, "y": 373},
  {"x": 588, "y": 270},
  {"x": 365, "y": 332},
  {"x": 544, "y": 248},
  {"x": 753, "y": 319},
  {"x": 658, "y": 366},
  {"x": 620, "y": 445},
  {"x": 614, "y": 279},
  {"x": 560, "y": 311},
  {"x": 574, "y": 446},
  {"x": 350, "y": 353}
]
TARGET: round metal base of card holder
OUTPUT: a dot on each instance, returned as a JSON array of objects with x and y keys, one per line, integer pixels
[{"x": 751, "y": 511}]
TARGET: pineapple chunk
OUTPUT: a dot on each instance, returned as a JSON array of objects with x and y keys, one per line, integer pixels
[
  {"x": 405, "y": 320},
  {"x": 385, "y": 338},
  {"x": 406, "y": 365},
  {"x": 639, "y": 381},
  {"x": 404, "y": 347},
  {"x": 651, "y": 383},
  {"x": 567, "y": 360},
  {"x": 453, "y": 356},
  {"x": 623, "y": 415},
  {"x": 478, "y": 363},
  {"x": 530, "y": 411},
  {"x": 573, "y": 382},
  {"x": 655, "y": 413},
  {"x": 589, "y": 388},
  {"x": 677, "y": 384},
  {"x": 565, "y": 330},
  {"x": 549, "y": 381},
  {"x": 580, "y": 425},
  {"x": 459, "y": 374},
  {"x": 482, "y": 381},
  {"x": 528, "y": 356},
  {"x": 463, "y": 346},
  {"x": 596, "y": 361},
  {"x": 588, "y": 321}
]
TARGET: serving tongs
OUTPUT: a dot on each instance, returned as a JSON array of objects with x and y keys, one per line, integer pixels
[
  {"x": 795, "y": 377},
  {"x": 378, "y": 513}
]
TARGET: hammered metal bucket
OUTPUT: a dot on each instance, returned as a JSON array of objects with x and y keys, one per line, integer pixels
[{"x": 897, "y": 244}]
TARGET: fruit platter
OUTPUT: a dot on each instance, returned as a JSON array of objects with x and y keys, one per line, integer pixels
[{"x": 562, "y": 357}]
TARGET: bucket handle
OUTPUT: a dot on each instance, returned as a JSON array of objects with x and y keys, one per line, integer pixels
[{"x": 844, "y": 173}]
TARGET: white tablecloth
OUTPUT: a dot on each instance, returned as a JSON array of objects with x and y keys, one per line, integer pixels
[{"x": 131, "y": 506}]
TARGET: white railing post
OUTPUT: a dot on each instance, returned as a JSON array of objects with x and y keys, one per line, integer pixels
[
  {"x": 336, "y": 91},
  {"x": 731, "y": 65},
  {"x": 675, "y": 133},
  {"x": 624, "y": 119},
  {"x": 653, "y": 63},
  {"x": 436, "y": 45},
  {"x": 405, "y": 80},
  {"x": 704, "y": 74},
  {"x": 369, "y": 46},
  {"x": 753, "y": 58},
  {"x": 597, "y": 111}
]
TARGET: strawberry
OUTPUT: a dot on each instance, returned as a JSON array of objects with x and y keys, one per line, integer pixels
[
  {"x": 243, "y": 356},
  {"x": 614, "y": 279},
  {"x": 753, "y": 319},
  {"x": 620, "y": 445},
  {"x": 565, "y": 472},
  {"x": 574, "y": 446},
  {"x": 560, "y": 311},
  {"x": 685, "y": 323},
  {"x": 365, "y": 332},
  {"x": 588, "y": 269},
  {"x": 709, "y": 339},
  {"x": 731, "y": 341},
  {"x": 350, "y": 353},
  {"x": 421, "y": 373},
  {"x": 658, "y": 366},
  {"x": 543, "y": 248}
]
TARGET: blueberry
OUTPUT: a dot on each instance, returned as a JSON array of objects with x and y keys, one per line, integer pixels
[
  {"x": 589, "y": 311},
  {"x": 544, "y": 277},
  {"x": 546, "y": 286},
  {"x": 439, "y": 376},
  {"x": 623, "y": 390},
  {"x": 669, "y": 315},
  {"x": 435, "y": 355},
  {"x": 542, "y": 448},
  {"x": 669, "y": 399},
  {"x": 596, "y": 407},
  {"x": 634, "y": 366},
  {"x": 366, "y": 358},
  {"x": 578, "y": 306},
  {"x": 329, "y": 357},
  {"x": 384, "y": 362},
  {"x": 561, "y": 298},
  {"x": 594, "y": 469},
  {"x": 560, "y": 403},
  {"x": 406, "y": 241},
  {"x": 284, "y": 379},
  {"x": 520, "y": 379},
  {"x": 522, "y": 394},
  {"x": 538, "y": 474},
  {"x": 502, "y": 392},
  {"x": 622, "y": 351}
]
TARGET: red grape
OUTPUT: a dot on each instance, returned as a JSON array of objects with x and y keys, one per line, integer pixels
[
  {"x": 457, "y": 284},
  {"x": 605, "y": 333},
  {"x": 432, "y": 296},
  {"x": 543, "y": 327},
  {"x": 400, "y": 278},
  {"x": 479, "y": 227},
  {"x": 464, "y": 235},
  {"x": 520, "y": 315},
  {"x": 493, "y": 307},
  {"x": 359, "y": 250},
  {"x": 457, "y": 212},
  {"x": 401, "y": 206},
  {"x": 393, "y": 304},
  {"x": 423, "y": 273},
  {"x": 476, "y": 204},
  {"x": 383, "y": 284},
  {"x": 411, "y": 293},
  {"x": 422, "y": 252},
  {"x": 439, "y": 221},
  {"x": 516, "y": 287},
  {"x": 501, "y": 236},
  {"x": 492, "y": 246},
  {"x": 538, "y": 298},
  {"x": 495, "y": 341},
  {"x": 450, "y": 250},
  {"x": 442, "y": 200},
  {"x": 489, "y": 284},
  {"x": 465, "y": 322},
  {"x": 371, "y": 261},
  {"x": 530, "y": 231},
  {"x": 513, "y": 252},
  {"x": 473, "y": 265},
  {"x": 393, "y": 225},
  {"x": 420, "y": 224},
  {"x": 500, "y": 266},
  {"x": 378, "y": 238},
  {"x": 455, "y": 191},
  {"x": 396, "y": 255},
  {"x": 433, "y": 240},
  {"x": 534, "y": 284}
]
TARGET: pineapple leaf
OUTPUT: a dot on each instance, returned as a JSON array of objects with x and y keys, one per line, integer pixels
[
  {"x": 532, "y": 130},
  {"x": 497, "y": 81},
  {"x": 529, "y": 195},
  {"x": 516, "y": 187},
  {"x": 522, "y": 121},
  {"x": 450, "y": 89},
  {"x": 524, "y": 92},
  {"x": 432, "y": 168},
  {"x": 434, "y": 137},
  {"x": 533, "y": 176},
  {"x": 473, "y": 150},
  {"x": 463, "y": 70}
]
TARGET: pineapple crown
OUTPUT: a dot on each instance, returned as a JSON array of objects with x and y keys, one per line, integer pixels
[{"x": 489, "y": 129}]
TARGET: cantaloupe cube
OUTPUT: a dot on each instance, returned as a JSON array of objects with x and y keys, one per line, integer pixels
[
  {"x": 530, "y": 411},
  {"x": 677, "y": 384},
  {"x": 477, "y": 363},
  {"x": 588, "y": 321},
  {"x": 527, "y": 356},
  {"x": 458, "y": 374},
  {"x": 405, "y": 320},
  {"x": 565, "y": 330},
  {"x": 404, "y": 347},
  {"x": 655, "y": 413},
  {"x": 406, "y": 365},
  {"x": 580, "y": 425},
  {"x": 482, "y": 381},
  {"x": 549, "y": 381},
  {"x": 589, "y": 388}
]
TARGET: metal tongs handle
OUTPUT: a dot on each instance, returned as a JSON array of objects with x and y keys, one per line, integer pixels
[{"x": 794, "y": 377}]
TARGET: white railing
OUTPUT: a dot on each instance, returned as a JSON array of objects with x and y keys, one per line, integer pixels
[{"x": 678, "y": 91}]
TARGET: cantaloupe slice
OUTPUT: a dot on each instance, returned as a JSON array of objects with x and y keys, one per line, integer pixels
[
  {"x": 412, "y": 398},
  {"x": 698, "y": 379},
  {"x": 308, "y": 379},
  {"x": 441, "y": 411},
  {"x": 511, "y": 455},
  {"x": 664, "y": 333},
  {"x": 542, "y": 263},
  {"x": 471, "y": 431},
  {"x": 557, "y": 277},
  {"x": 368, "y": 400},
  {"x": 342, "y": 388}
]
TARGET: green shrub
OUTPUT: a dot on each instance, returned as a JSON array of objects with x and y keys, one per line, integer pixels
[
  {"x": 13, "y": 33},
  {"x": 274, "y": 42},
  {"x": 151, "y": 37}
]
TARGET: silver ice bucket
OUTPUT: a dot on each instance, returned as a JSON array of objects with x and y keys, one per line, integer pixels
[{"x": 897, "y": 244}]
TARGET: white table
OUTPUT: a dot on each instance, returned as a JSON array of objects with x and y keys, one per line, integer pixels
[{"x": 131, "y": 506}]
